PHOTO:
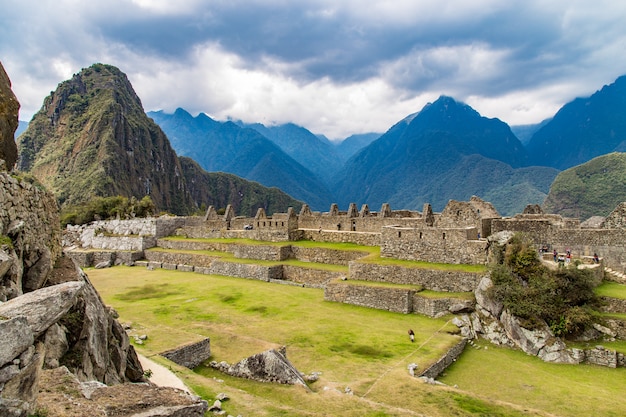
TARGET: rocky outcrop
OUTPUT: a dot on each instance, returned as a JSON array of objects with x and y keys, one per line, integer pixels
[
  {"x": 269, "y": 366},
  {"x": 29, "y": 224},
  {"x": 494, "y": 323},
  {"x": 9, "y": 107},
  {"x": 67, "y": 324}
]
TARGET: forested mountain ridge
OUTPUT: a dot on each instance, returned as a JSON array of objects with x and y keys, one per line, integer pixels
[{"x": 92, "y": 138}]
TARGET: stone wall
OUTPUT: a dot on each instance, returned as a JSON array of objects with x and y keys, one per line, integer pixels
[
  {"x": 89, "y": 258},
  {"x": 360, "y": 238},
  {"x": 179, "y": 258},
  {"x": 599, "y": 356},
  {"x": 457, "y": 246},
  {"x": 614, "y": 305},
  {"x": 308, "y": 277},
  {"x": 436, "y": 307},
  {"x": 455, "y": 281},
  {"x": 260, "y": 272},
  {"x": 261, "y": 252},
  {"x": 561, "y": 234},
  {"x": 397, "y": 300},
  {"x": 29, "y": 217},
  {"x": 131, "y": 234},
  {"x": 446, "y": 360},
  {"x": 325, "y": 256},
  {"x": 190, "y": 355}
]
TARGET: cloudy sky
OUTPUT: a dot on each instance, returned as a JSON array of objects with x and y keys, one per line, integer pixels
[{"x": 336, "y": 67}]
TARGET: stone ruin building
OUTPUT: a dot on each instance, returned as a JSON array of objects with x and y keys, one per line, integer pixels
[{"x": 460, "y": 234}]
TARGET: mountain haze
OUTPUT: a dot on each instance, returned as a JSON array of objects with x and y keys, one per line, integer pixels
[
  {"x": 227, "y": 147},
  {"x": 318, "y": 156},
  {"x": 583, "y": 129}
]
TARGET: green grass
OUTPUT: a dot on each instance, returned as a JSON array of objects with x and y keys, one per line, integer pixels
[
  {"x": 611, "y": 289},
  {"x": 564, "y": 390},
  {"x": 365, "y": 349},
  {"x": 377, "y": 259}
]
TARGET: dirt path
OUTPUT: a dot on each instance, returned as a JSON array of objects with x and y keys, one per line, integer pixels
[{"x": 161, "y": 376}]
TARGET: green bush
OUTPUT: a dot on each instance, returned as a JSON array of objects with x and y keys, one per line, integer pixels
[
  {"x": 104, "y": 208},
  {"x": 563, "y": 299}
]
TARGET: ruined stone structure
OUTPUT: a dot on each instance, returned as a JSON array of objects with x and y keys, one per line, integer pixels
[{"x": 190, "y": 355}]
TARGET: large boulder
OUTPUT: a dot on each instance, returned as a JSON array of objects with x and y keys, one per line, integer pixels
[
  {"x": 44, "y": 307},
  {"x": 269, "y": 366},
  {"x": 9, "y": 114}
]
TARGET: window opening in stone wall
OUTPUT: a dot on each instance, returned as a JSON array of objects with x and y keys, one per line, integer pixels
[
  {"x": 420, "y": 235},
  {"x": 399, "y": 234},
  {"x": 444, "y": 236},
  {"x": 354, "y": 226}
]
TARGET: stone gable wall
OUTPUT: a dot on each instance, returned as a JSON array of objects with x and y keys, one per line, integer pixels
[{"x": 454, "y": 281}]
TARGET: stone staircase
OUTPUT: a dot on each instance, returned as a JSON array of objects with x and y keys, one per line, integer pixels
[{"x": 612, "y": 275}]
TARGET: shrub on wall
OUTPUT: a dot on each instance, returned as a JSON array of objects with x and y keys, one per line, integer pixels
[{"x": 564, "y": 299}]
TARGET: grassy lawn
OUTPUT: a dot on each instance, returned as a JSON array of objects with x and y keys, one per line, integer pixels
[
  {"x": 503, "y": 374},
  {"x": 365, "y": 349},
  {"x": 611, "y": 289}
]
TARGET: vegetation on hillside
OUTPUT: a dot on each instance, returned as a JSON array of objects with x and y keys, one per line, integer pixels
[
  {"x": 594, "y": 188},
  {"x": 563, "y": 298},
  {"x": 103, "y": 208}
]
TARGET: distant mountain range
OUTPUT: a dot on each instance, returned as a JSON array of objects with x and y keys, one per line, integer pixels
[
  {"x": 445, "y": 151},
  {"x": 93, "y": 138}
]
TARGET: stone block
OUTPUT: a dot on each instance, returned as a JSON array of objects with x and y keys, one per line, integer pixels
[{"x": 16, "y": 338}]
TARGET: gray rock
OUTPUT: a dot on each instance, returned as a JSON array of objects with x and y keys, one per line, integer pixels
[
  {"x": 484, "y": 300},
  {"x": 103, "y": 264},
  {"x": 25, "y": 385},
  {"x": 43, "y": 307},
  {"x": 269, "y": 366},
  {"x": 56, "y": 343},
  {"x": 16, "y": 338}
]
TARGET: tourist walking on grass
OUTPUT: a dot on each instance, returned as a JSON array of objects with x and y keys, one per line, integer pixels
[{"x": 411, "y": 335}]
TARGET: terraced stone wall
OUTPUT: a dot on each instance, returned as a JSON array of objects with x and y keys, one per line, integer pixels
[
  {"x": 313, "y": 278},
  {"x": 455, "y": 281},
  {"x": 398, "y": 300},
  {"x": 360, "y": 238},
  {"x": 325, "y": 256}
]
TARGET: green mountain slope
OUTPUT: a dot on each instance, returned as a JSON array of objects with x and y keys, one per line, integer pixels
[
  {"x": 594, "y": 188},
  {"x": 446, "y": 151},
  {"x": 92, "y": 138},
  {"x": 583, "y": 129},
  {"x": 219, "y": 189}
]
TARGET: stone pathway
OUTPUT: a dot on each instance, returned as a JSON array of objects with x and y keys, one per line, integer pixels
[{"x": 162, "y": 376}]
